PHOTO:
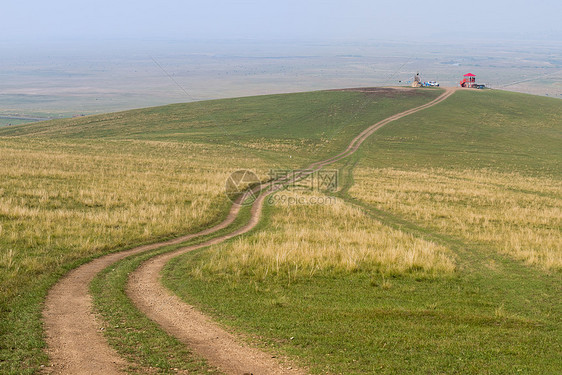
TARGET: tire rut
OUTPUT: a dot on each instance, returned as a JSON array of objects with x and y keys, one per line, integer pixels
[{"x": 75, "y": 343}]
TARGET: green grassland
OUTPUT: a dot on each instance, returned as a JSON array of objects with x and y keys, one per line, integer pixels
[
  {"x": 505, "y": 131},
  {"x": 75, "y": 189},
  {"x": 304, "y": 125},
  {"x": 477, "y": 176},
  {"x": 6, "y": 121},
  {"x": 10, "y": 122}
]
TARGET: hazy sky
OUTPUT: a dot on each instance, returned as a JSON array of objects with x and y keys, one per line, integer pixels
[{"x": 279, "y": 19}]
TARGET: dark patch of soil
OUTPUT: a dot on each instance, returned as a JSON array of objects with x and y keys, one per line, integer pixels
[{"x": 385, "y": 92}]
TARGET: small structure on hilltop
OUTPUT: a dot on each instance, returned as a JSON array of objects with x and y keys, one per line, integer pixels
[{"x": 469, "y": 80}]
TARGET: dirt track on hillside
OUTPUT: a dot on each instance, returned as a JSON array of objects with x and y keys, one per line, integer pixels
[{"x": 74, "y": 339}]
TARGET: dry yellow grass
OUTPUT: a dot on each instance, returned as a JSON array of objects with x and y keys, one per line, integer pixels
[
  {"x": 301, "y": 240},
  {"x": 63, "y": 201},
  {"x": 517, "y": 215}
]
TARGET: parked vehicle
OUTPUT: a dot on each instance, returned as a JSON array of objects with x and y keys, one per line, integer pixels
[{"x": 431, "y": 84}]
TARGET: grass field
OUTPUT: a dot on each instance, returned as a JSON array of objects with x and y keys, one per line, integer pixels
[
  {"x": 302, "y": 240},
  {"x": 492, "y": 177},
  {"x": 9, "y": 122},
  {"x": 476, "y": 179},
  {"x": 78, "y": 188},
  {"x": 517, "y": 215}
]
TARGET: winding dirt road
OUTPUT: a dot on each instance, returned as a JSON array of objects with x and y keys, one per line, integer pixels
[{"x": 75, "y": 343}]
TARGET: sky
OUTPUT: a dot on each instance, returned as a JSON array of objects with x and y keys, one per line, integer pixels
[{"x": 39, "y": 20}]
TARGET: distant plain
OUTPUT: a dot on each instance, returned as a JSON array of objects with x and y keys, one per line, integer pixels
[{"x": 70, "y": 79}]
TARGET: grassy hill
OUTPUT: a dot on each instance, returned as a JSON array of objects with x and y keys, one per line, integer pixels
[
  {"x": 78, "y": 188},
  {"x": 478, "y": 177},
  {"x": 441, "y": 253},
  {"x": 498, "y": 130},
  {"x": 309, "y": 125}
]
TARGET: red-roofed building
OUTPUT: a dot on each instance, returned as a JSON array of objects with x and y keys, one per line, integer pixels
[{"x": 469, "y": 80}]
